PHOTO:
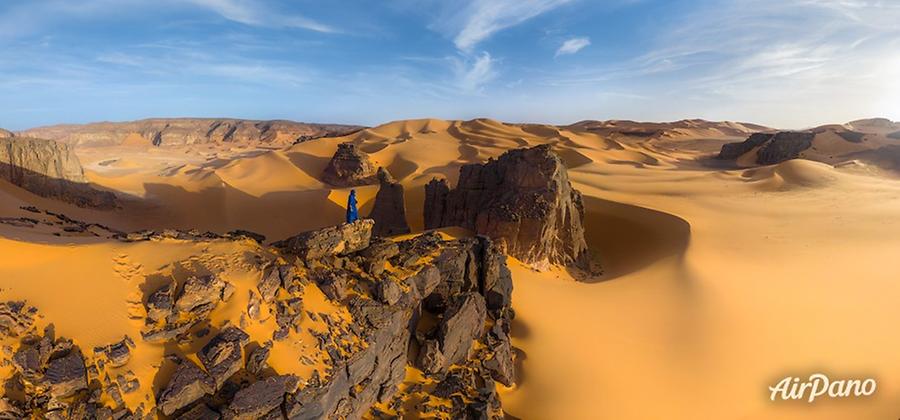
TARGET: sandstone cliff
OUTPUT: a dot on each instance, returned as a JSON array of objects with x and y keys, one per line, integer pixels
[
  {"x": 523, "y": 200},
  {"x": 49, "y": 169},
  {"x": 182, "y": 131}
]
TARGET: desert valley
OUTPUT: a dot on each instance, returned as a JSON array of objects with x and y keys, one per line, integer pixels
[{"x": 202, "y": 268}]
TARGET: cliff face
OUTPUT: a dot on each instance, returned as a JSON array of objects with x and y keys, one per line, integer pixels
[
  {"x": 182, "y": 131},
  {"x": 523, "y": 200},
  {"x": 49, "y": 169}
]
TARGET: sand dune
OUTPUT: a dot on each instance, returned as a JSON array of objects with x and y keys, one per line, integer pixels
[{"x": 718, "y": 282}]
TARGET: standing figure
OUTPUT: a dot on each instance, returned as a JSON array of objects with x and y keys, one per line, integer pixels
[{"x": 352, "y": 213}]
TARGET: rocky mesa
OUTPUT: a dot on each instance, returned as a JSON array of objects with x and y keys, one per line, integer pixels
[
  {"x": 185, "y": 131},
  {"x": 49, "y": 169}
]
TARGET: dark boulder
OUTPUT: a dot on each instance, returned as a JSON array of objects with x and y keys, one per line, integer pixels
[
  {"x": 784, "y": 146},
  {"x": 733, "y": 151}
]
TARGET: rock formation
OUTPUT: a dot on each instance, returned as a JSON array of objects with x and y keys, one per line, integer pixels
[
  {"x": 771, "y": 148},
  {"x": 182, "y": 131},
  {"x": 349, "y": 167},
  {"x": 443, "y": 306},
  {"x": 49, "y": 169},
  {"x": 523, "y": 200},
  {"x": 5, "y": 134},
  {"x": 389, "y": 211}
]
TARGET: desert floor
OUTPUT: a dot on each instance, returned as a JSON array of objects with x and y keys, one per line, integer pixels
[{"x": 718, "y": 282}]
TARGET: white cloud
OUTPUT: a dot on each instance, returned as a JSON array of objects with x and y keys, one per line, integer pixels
[
  {"x": 473, "y": 74},
  {"x": 253, "y": 13},
  {"x": 572, "y": 46},
  {"x": 477, "y": 20}
]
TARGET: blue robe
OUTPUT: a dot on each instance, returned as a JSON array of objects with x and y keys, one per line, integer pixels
[{"x": 352, "y": 213}]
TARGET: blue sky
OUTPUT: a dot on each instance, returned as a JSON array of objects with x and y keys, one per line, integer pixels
[{"x": 785, "y": 63}]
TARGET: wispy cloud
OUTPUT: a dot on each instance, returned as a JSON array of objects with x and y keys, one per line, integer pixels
[
  {"x": 573, "y": 45},
  {"x": 477, "y": 20},
  {"x": 474, "y": 73},
  {"x": 253, "y": 13}
]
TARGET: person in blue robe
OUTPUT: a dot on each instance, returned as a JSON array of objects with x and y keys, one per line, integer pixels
[{"x": 352, "y": 213}]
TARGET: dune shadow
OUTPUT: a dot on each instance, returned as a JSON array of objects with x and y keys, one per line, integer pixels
[
  {"x": 309, "y": 164},
  {"x": 629, "y": 238}
]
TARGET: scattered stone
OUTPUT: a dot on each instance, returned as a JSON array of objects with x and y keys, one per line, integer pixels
[{"x": 257, "y": 360}]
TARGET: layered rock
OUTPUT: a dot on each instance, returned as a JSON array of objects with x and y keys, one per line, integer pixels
[
  {"x": 350, "y": 167},
  {"x": 389, "y": 210},
  {"x": 49, "y": 169},
  {"x": 523, "y": 200},
  {"x": 332, "y": 240},
  {"x": 773, "y": 148},
  {"x": 184, "y": 131}
]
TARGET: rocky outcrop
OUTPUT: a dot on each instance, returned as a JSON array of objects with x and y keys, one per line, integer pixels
[
  {"x": 425, "y": 301},
  {"x": 332, "y": 240},
  {"x": 523, "y": 200},
  {"x": 772, "y": 148},
  {"x": 185, "y": 131},
  {"x": 784, "y": 146},
  {"x": 389, "y": 211},
  {"x": 5, "y": 134},
  {"x": 49, "y": 169},
  {"x": 349, "y": 167}
]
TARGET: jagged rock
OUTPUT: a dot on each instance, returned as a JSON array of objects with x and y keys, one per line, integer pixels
[
  {"x": 15, "y": 318},
  {"x": 66, "y": 375},
  {"x": 333, "y": 240},
  {"x": 161, "y": 303},
  {"x": 334, "y": 283},
  {"x": 188, "y": 384},
  {"x": 387, "y": 291},
  {"x": 256, "y": 361},
  {"x": 199, "y": 411},
  {"x": 269, "y": 283},
  {"x": 523, "y": 200},
  {"x": 117, "y": 354},
  {"x": 378, "y": 252},
  {"x": 389, "y": 210},
  {"x": 733, "y": 151},
  {"x": 784, "y": 146},
  {"x": 49, "y": 169},
  {"x": 431, "y": 359},
  {"x": 436, "y": 192},
  {"x": 223, "y": 356},
  {"x": 501, "y": 364},
  {"x": 261, "y": 397},
  {"x": 497, "y": 285},
  {"x": 425, "y": 281},
  {"x": 288, "y": 314},
  {"x": 200, "y": 293},
  {"x": 773, "y": 148},
  {"x": 349, "y": 167},
  {"x": 463, "y": 323},
  {"x": 240, "y": 234}
]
